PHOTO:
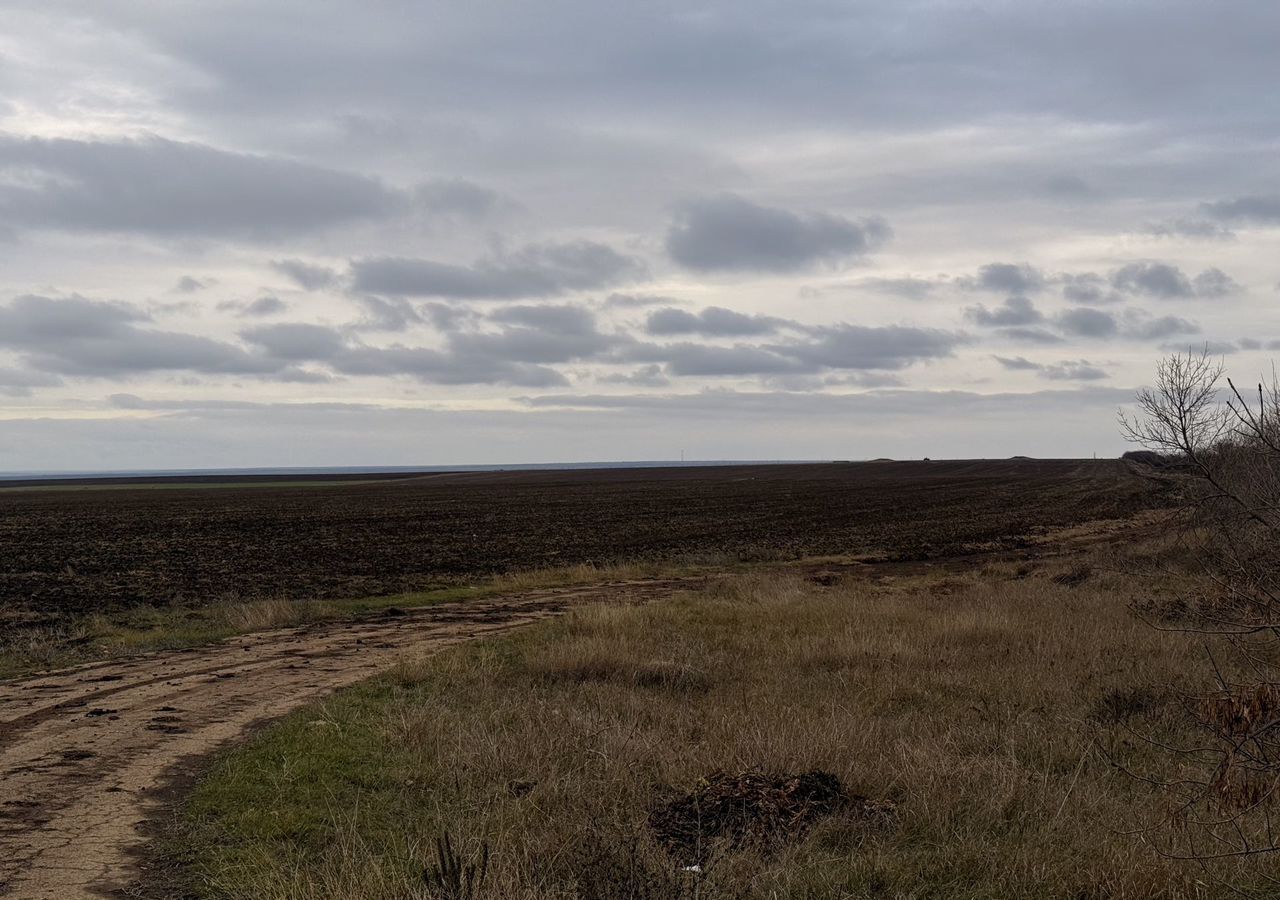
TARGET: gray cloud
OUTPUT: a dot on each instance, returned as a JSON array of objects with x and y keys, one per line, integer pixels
[
  {"x": 822, "y": 349},
  {"x": 861, "y": 379},
  {"x": 35, "y": 320},
  {"x": 517, "y": 344},
  {"x": 459, "y": 197},
  {"x": 1152, "y": 279},
  {"x": 564, "y": 318},
  {"x": 1007, "y": 278},
  {"x": 1015, "y": 311},
  {"x": 1155, "y": 279},
  {"x": 442, "y": 316},
  {"x": 714, "y": 321},
  {"x": 1257, "y": 209},
  {"x": 81, "y": 337},
  {"x": 1088, "y": 287},
  {"x": 189, "y": 284},
  {"x": 1142, "y": 326},
  {"x": 730, "y": 233},
  {"x": 538, "y": 270},
  {"x": 1072, "y": 370},
  {"x": 1032, "y": 335},
  {"x": 528, "y": 341},
  {"x": 308, "y": 276},
  {"x": 437, "y": 367},
  {"x": 535, "y": 334},
  {"x": 645, "y": 376},
  {"x": 266, "y": 305},
  {"x": 1217, "y": 348},
  {"x": 166, "y": 188},
  {"x": 1067, "y": 186},
  {"x": 1067, "y": 370},
  {"x": 910, "y": 288},
  {"x": 741, "y": 359},
  {"x": 637, "y": 301},
  {"x": 1215, "y": 283},
  {"x": 296, "y": 341},
  {"x": 20, "y": 382},
  {"x": 398, "y": 314},
  {"x": 791, "y": 67},
  {"x": 866, "y": 347},
  {"x": 516, "y": 355},
  {"x": 1017, "y": 363},
  {"x": 74, "y": 336},
  {"x": 1196, "y": 229},
  {"x": 1092, "y": 323},
  {"x": 1255, "y": 344}
]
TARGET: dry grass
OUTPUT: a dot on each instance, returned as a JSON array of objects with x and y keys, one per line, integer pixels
[
  {"x": 262, "y": 615},
  {"x": 988, "y": 708},
  {"x": 78, "y": 639}
]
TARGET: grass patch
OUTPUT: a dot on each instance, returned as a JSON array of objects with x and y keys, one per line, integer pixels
[
  {"x": 79, "y": 639},
  {"x": 983, "y": 713}
]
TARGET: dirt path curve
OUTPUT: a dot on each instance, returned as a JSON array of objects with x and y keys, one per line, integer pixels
[{"x": 85, "y": 752}]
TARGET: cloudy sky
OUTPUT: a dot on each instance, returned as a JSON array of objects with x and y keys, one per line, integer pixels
[{"x": 309, "y": 232}]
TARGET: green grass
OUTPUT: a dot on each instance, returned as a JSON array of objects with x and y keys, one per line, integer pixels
[
  {"x": 141, "y": 629},
  {"x": 987, "y": 708}
]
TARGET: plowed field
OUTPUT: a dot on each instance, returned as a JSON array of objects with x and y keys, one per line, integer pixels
[{"x": 67, "y": 551}]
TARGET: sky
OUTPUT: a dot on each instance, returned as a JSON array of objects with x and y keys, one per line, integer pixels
[{"x": 320, "y": 233}]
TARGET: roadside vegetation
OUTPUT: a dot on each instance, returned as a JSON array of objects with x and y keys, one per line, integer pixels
[
  {"x": 1218, "y": 442},
  {"x": 972, "y": 735},
  {"x": 75, "y": 639}
]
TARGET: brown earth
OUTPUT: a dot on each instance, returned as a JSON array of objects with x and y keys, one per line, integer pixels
[
  {"x": 85, "y": 753},
  {"x": 90, "y": 550}
]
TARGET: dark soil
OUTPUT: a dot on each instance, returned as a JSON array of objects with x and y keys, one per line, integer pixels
[
  {"x": 750, "y": 810},
  {"x": 69, "y": 552}
]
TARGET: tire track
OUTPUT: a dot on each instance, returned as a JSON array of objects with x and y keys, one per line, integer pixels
[{"x": 84, "y": 752}]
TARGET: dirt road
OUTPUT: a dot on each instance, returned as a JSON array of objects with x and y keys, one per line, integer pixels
[{"x": 85, "y": 752}]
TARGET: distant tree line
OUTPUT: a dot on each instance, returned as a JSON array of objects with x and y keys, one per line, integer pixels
[{"x": 1155, "y": 460}]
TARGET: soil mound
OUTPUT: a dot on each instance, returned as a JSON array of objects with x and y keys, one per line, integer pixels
[{"x": 750, "y": 810}]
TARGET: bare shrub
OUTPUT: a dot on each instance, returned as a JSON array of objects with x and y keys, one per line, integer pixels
[{"x": 1221, "y": 448}]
